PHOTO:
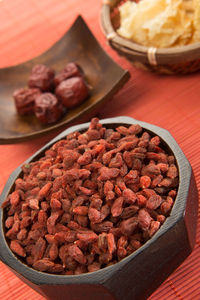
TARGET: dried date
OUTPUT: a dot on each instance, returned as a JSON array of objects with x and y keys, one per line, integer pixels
[
  {"x": 42, "y": 78},
  {"x": 25, "y": 100},
  {"x": 69, "y": 86},
  {"x": 48, "y": 109},
  {"x": 72, "y": 91},
  {"x": 70, "y": 70}
]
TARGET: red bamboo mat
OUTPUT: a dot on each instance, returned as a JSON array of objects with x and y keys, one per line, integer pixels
[{"x": 27, "y": 28}]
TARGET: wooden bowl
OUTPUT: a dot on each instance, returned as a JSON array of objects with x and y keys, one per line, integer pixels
[
  {"x": 137, "y": 275},
  {"x": 182, "y": 59},
  {"x": 78, "y": 45}
]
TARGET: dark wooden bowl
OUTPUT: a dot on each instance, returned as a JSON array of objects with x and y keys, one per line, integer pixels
[
  {"x": 79, "y": 45},
  {"x": 139, "y": 274}
]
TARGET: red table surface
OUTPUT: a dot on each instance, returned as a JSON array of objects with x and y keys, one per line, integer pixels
[{"x": 27, "y": 28}]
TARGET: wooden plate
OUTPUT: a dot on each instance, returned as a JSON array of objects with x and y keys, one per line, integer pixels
[{"x": 78, "y": 45}]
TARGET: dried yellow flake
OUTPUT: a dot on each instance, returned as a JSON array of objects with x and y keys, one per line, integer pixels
[{"x": 161, "y": 23}]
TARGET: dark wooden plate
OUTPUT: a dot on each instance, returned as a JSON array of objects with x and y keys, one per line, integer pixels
[
  {"x": 79, "y": 45},
  {"x": 139, "y": 274}
]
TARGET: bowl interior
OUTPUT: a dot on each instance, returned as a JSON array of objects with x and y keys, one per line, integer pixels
[{"x": 108, "y": 123}]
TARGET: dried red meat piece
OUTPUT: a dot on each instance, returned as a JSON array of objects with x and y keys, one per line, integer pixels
[
  {"x": 172, "y": 171},
  {"x": 116, "y": 162},
  {"x": 94, "y": 215},
  {"x": 85, "y": 159},
  {"x": 117, "y": 207},
  {"x": 81, "y": 210},
  {"x": 144, "y": 219},
  {"x": 76, "y": 254},
  {"x": 87, "y": 237},
  {"x": 111, "y": 243},
  {"x": 128, "y": 226},
  {"x": 22, "y": 234},
  {"x": 9, "y": 222},
  {"x": 53, "y": 251},
  {"x": 129, "y": 196},
  {"x": 17, "y": 248},
  {"x": 108, "y": 173},
  {"x": 155, "y": 225},
  {"x": 43, "y": 265},
  {"x": 129, "y": 211},
  {"x": 66, "y": 236},
  {"x": 94, "y": 267},
  {"x": 153, "y": 202},
  {"x": 102, "y": 227},
  {"x": 45, "y": 190},
  {"x": 91, "y": 200}
]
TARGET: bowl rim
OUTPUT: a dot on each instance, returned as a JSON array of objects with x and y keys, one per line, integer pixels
[{"x": 100, "y": 276}]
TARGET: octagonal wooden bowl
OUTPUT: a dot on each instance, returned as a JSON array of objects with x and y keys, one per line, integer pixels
[{"x": 137, "y": 275}]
